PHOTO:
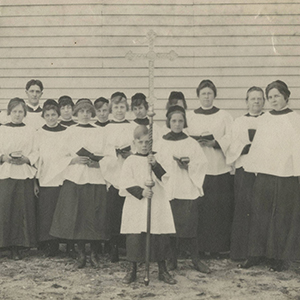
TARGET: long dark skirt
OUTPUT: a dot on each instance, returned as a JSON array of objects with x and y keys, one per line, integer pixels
[
  {"x": 17, "y": 213},
  {"x": 116, "y": 203},
  {"x": 81, "y": 212},
  {"x": 48, "y": 198},
  {"x": 136, "y": 247},
  {"x": 275, "y": 218},
  {"x": 216, "y": 213},
  {"x": 243, "y": 187},
  {"x": 185, "y": 214}
]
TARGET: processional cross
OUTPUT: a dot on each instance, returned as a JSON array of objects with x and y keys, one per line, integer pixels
[{"x": 151, "y": 56}]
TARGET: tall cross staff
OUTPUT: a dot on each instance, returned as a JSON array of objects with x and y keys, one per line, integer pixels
[{"x": 151, "y": 56}]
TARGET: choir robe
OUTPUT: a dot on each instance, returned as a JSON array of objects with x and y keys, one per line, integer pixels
[
  {"x": 216, "y": 208},
  {"x": 102, "y": 124},
  {"x": 17, "y": 201},
  {"x": 134, "y": 218},
  {"x": 67, "y": 123},
  {"x": 183, "y": 187},
  {"x": 275, "y": 211},
  {"x": 51, "y": 166},
  {"x": 118, "y": 135},
  {"x": 243, "y": 183},
  {"x": 34, "y": 117},
  {"x": 81, "y": 210}
]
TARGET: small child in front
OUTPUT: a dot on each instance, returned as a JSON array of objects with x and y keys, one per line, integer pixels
[{"x": 134, "y": 219}]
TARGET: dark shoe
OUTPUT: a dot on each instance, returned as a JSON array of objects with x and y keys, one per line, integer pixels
[
  {"x": 114, "y": 254},
  {"x": 81, "y": 262},
  {"x": 70, "y": 250},
  {"x": 201, "y": 267},
  {"x": 250, "y": 262},
  {"x": 276, "y": 265},
  {"x": 131, "y": 274},
  {"x": 15, "y": 255},
  {"x": 53, "y": 247},
  {"x": 172, "y": 264},
  {"x": 94, "y": 260},
  {"x": 166, "y": 278}
]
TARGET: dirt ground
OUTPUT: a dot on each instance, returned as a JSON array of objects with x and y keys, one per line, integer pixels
[{"x": 37, "y": 277}]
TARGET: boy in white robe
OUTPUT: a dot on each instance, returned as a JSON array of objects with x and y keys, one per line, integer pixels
[{"x": 134, "y": 219}]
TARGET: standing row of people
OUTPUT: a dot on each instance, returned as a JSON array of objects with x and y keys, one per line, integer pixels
[{"x": 84, "y": 174}]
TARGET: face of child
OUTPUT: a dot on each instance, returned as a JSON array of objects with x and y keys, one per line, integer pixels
[
  {"x": 102, "y": 113},
  {"x": 177, "y": 122},
  {"x": 255, "y": 102},
  {"x": 119, "y": 110},
  {"x": 140, "y": 111},
  {"x": 17, "y": 114},
  {"x": 51, "y": 117},
  {"x": 206, "y": 97},
  {"x": 34, "y": 94},
  {"x": 84, "y": 116},
  {"x": 66, "y": 112},
  {"x": 276, "y": 99},
  {"x": 142, "y": 144}
]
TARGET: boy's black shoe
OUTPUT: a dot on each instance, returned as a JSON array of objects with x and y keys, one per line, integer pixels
[
  {"x": 166, "y": 278},
  {"x": 131, "y": 274}
]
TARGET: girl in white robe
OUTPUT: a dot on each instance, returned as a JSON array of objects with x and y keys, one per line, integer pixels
[
  {"x": 102, "y": 111},
  {"x": 211, "y": 126},
  {"x": 134, "y": 218},
  {"x": 242, "y": 134},
  {"x": 51, "y": 166},
  {"x": 140, "y": 106},
  {"x": 185, "y": 163},
  {"x": 66, "y": 106},
  {"x": 274, "y": 158},
  {"x": 17, "y": 201},
  {"x": 118, "y": 134},
  {"x": 81, "y": 210}
]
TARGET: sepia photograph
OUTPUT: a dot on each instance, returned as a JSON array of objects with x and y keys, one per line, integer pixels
[{"x": 150, "y": 149}]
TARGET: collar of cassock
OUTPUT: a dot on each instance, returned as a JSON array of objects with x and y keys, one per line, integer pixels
[
  {"x": 254, "y": 116},
  {"x": 56, "y": 128},
  {"x": 11, "y": 124},
  {"x": 144, "y": 121},
  {"x": 88, "y": 125},
  {"x": 32, "y": 109},
  {"x": 280, "y": 112},
  {"x": 102, "y": 124},
  {"x": 67, "y": 123},
  {"x": 117, "y": 122},
  {"x": 210, "y": 111},
  {"x": 172, "y": 136}
]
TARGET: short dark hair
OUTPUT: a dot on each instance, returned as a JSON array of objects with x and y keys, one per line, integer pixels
[
  {"x": 281, "y": 87},
  {"x": 65, "y": 100},
  {"x": 257, "y": 89},
  {"x": 206, "y": 83},
  {"x": 175, "y": 109},
  {"x": 34, "y": 82},
  {"x": 84, "y": 103},
  {"x": 15, "y": 102},
  {"x": 139, "y": 99},
  {"x": 99, "y": 102},
  {"x": 173, "y": 99},
  {"x": 50, "y": 104}
]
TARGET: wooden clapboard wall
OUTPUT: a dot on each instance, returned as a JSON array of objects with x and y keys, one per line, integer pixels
[{"x": 78, "y": 47}]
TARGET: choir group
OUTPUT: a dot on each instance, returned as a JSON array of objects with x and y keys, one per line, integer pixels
[{"x": 220, "y": 184}]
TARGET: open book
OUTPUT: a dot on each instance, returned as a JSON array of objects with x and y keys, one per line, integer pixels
[{"x": 84, "y": 152}]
